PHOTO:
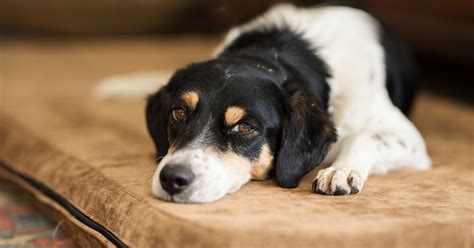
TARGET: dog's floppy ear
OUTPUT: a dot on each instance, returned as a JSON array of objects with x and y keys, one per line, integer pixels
[
  {"x": 156, "y": 120},
  {"x": 306, "y": 136}
]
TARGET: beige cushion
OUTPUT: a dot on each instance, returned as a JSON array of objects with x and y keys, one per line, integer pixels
[{"x": 98, "y": 156}]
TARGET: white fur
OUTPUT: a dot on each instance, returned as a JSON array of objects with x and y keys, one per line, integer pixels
[
  {"x": 374, "y": 136},
  {"x": 214, "y": 174},
  {"x": 132, "y": 85},
  {"x": 213, "y": 177}
]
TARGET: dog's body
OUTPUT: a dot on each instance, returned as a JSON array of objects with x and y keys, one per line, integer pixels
[{"x": 279, "y": 93}]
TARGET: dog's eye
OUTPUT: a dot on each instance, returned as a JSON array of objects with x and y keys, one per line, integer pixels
[
  {"x": 242, "y": 128},
  {"x": 179, "y": 114}
]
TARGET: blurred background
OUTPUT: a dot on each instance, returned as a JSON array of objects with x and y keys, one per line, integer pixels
[{"x": 440, "y": 32}]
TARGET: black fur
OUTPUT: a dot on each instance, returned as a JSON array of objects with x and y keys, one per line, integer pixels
[
  {"x": 157, "y": 119},
  {"x": 306, "y": 138},
  {"x": 286, "y": 50},
  {"x": 401, "y": 72},
  {"x": 220, "y": 83},
  {"x": 278, "y": 78},
  {"x": 308, "y": 131}
]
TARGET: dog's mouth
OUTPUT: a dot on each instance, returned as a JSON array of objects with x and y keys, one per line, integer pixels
[{"x": 192, "y": 196}]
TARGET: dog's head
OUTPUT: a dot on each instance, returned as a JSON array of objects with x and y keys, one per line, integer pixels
[{"x": 220, "y": 123}]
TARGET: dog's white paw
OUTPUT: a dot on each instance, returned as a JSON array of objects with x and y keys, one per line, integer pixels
[{"x": 337, "y": 181}]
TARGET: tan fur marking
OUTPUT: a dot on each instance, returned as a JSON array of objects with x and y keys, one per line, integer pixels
[
  {"x": 232, "y": 158},
  {"x": 171, "y": 149},
  {"x": 241, "y": 167},
  {"x": 260, "y": 169},
  {"x": 191, "y": 99},
  {"x": 233, "y": 115},
  {"x": 238, "y": 166},
  {"x": 228, "y": 157}
]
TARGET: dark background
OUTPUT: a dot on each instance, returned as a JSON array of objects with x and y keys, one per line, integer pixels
[{"x": 440, "y": 32}]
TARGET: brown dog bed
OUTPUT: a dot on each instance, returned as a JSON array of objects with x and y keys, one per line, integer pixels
[{"x": 91, "y": 162}]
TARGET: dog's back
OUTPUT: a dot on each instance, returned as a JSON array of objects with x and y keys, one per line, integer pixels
[{"x": 362, "y": 55}]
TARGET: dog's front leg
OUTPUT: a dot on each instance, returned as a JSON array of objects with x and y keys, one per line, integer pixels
[{"x": 375, "y": 151}]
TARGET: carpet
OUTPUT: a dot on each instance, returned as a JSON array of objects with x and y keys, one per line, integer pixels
[{"x": 23, "y": 224}]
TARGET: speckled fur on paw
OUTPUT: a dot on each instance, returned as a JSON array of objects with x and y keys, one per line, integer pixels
[{"x": 337, "y": 181}]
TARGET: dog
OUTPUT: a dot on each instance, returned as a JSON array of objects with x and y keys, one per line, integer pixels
[{"x": 288, "y": 91}]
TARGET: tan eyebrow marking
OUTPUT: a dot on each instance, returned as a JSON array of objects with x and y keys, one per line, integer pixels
[
  {"x": 191, "y": 99},
  {"x": 233, "y": 114},
  {"x": 260, "y": 169}
]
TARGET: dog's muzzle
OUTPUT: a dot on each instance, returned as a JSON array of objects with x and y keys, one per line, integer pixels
[{"x": 196, "y": 176}]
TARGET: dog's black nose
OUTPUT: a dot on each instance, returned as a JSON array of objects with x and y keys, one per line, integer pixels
[{"x": 175, "y": 178}]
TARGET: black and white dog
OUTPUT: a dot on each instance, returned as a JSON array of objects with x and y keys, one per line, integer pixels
[{"x": 292, "y": 89}]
